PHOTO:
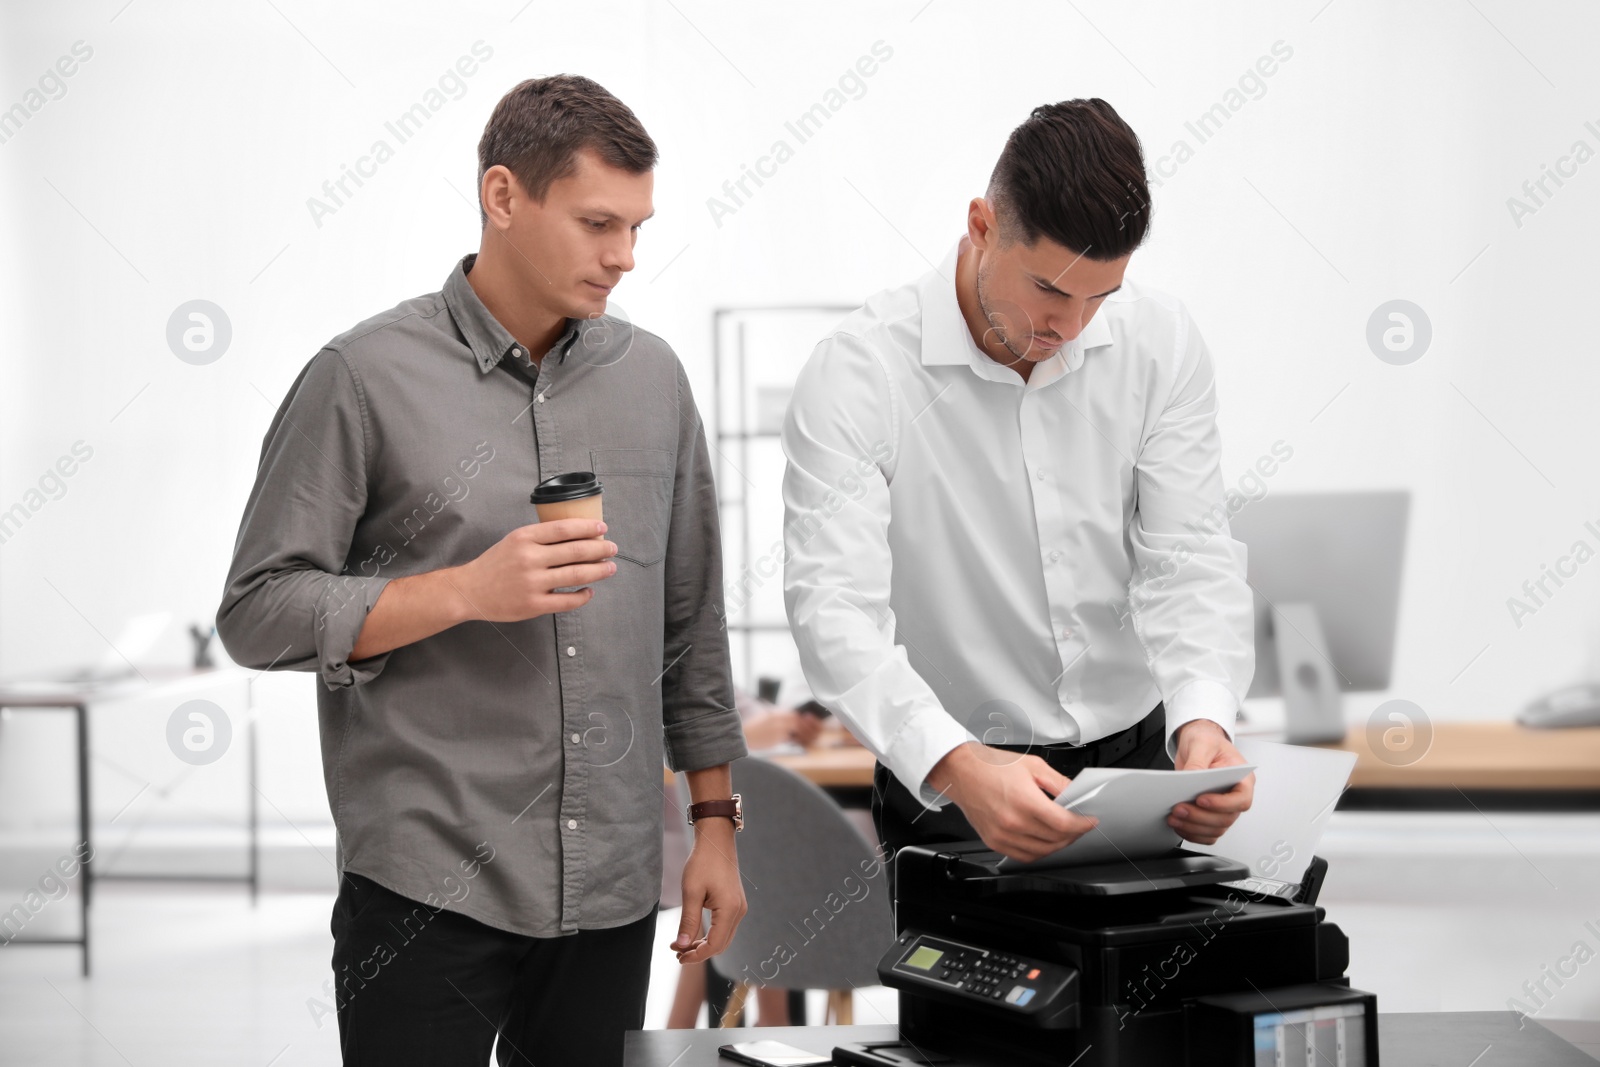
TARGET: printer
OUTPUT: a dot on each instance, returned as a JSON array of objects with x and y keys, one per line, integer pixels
[{"x": 1178, "y": 960}]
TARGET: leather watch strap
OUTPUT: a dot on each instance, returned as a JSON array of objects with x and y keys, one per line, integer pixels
[{"x": 732, "y": 809}]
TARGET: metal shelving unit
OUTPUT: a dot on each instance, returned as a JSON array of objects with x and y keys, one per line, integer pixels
[{"x": 732, "y": 390}]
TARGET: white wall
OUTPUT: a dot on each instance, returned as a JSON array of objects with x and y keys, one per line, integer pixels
[{"x": 1375, "y": 165}]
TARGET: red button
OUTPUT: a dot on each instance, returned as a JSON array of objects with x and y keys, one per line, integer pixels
[{"x": 1033, "y": 974}]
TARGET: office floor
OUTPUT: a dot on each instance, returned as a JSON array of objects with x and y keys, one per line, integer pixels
[
  {"x": 1444, "y": 913},
  {"x": 1450, "y": 912}
]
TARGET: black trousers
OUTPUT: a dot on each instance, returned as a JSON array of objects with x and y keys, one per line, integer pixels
[
  {"x": 424, "y": 987},
  {"x": 902, "y": 820}
]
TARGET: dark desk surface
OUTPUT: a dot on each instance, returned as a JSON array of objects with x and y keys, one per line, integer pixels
[
  {"x": 1420, "y": 1039},
  {"x": 661, "y": 1048}
]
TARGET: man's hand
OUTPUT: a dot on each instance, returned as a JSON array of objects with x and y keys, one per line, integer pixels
[
  {"x": 513, "y": 579},
  {"x": 710, "y": 880},
  {"x": 510, "y": 582},
  {"x": 1202, "y": 744},
  {"x": 1006, "y": 797}
]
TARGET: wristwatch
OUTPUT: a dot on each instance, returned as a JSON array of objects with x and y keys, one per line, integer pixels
[{"x": 732, "y": 809}]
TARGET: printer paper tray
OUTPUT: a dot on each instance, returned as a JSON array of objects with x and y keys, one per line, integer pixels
[{"x": 979, "y": 873}]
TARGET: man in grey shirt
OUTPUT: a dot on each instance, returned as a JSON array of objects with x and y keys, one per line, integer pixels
[{"x": 498, "y": 694}]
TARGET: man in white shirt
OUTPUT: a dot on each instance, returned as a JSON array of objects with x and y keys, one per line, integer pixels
[{"x": 1005, "y": 554}]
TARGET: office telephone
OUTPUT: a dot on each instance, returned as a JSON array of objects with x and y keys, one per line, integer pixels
[{"x": 1577, "y": 705}]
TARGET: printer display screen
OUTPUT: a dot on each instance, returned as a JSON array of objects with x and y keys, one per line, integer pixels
[
  {"x": 1333, "y": 1034},
  {"x": 924, "y": 958}
]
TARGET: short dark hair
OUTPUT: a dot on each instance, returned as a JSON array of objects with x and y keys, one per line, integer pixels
[
  {"x": 1073, "y": 172},
  {"x": 539, "y": 127}
]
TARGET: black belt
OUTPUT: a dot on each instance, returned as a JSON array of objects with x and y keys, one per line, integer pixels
[{"x": 1107, "y": 750}]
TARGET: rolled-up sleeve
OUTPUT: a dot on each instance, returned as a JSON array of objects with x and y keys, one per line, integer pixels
[
  {"x": 700, "y": 721},
  {"x": 288, "y": 605},
  {"x": 1193, "y": 613}
]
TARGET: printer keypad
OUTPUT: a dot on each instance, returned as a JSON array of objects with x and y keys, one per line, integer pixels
[
  {"x": 998, "y": 977},
  {"x": 990, "y": 976}
]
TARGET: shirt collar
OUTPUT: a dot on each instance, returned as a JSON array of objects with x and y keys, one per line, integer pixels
[
  {"x": 491, "y": 342},
  {"x": 946, "y": 341}
]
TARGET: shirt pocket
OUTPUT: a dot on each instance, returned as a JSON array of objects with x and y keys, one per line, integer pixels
[{"x": 636, "y": 499}]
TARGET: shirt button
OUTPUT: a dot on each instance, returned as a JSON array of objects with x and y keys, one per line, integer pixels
[
  {"x": 1064, "y": 633},
  {"x": 579, "y": 737},
  {"x": 572, "y": 824},
  {"x": 571, "y": 651},
  {"x": 1054, "y": 556},
  {"x": 1039, "y": 474},
  {"x": 539, "y": 399},
  {"x": 516, "y": 351}
]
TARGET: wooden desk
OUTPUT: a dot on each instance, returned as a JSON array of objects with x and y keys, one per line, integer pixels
[
  {"x": 1473, "y": 758},
  {"x": 846, "y": 766},
  {"x": 1485, "y": 755}
]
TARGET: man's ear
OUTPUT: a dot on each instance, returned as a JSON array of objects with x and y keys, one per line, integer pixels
[
  {"x": 982, "y": 228},
  {"x": 492, "y": 194},
  {"x": 498, "y": 189}
]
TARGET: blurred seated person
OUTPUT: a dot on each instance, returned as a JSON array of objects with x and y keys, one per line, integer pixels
[{"x": 766, "y": 726}]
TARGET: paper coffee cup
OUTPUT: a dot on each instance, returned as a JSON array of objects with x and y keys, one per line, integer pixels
[{"x": 574, "y": 495}]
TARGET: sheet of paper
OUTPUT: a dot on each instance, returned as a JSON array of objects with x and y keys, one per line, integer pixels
[
  {"x": 1296, "y": 789},
  {"x": 1132, "y": 806}
]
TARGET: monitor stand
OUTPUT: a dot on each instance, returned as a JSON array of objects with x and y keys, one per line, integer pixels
[{"x": 1312, "y": 703}]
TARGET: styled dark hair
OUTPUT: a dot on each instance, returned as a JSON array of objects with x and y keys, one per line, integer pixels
[
  {"x": 539, "y": 127},
  {"x": 1073, "y": 172}
]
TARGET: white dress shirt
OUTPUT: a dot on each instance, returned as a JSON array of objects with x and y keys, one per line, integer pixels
[{"x": 972, "y": 557}]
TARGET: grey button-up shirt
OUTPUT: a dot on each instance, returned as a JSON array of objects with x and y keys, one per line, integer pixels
[{"x": 512, "y": 770}]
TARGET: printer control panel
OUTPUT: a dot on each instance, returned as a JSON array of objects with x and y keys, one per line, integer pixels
[{"x": 1000, "y": 979}]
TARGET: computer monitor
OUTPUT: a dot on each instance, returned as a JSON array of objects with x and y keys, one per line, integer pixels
[{"x": 1326, "y": 572}]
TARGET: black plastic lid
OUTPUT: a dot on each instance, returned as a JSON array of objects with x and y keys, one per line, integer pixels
[{"x": 573, "y": 485}]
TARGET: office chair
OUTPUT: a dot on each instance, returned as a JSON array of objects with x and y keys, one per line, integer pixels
[{"x": 820, "y": 915}]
